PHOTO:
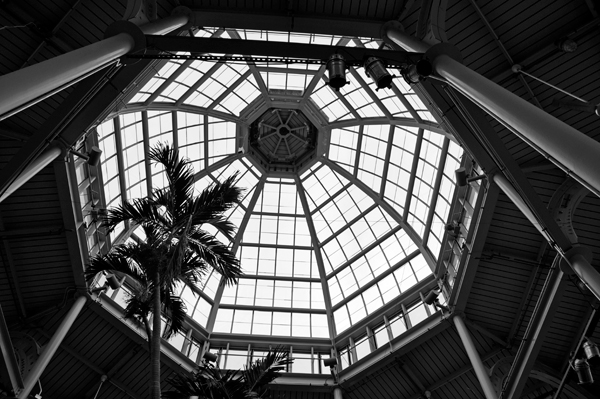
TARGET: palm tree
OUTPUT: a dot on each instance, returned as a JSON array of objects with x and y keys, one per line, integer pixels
[
  {"x": 209, "y": 382},
  {"x": 177, "y": 248}
]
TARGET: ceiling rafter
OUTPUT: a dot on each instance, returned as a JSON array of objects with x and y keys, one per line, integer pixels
[{"x": 502, "y": 48}]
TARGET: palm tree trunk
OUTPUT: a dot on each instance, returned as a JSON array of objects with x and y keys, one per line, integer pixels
[{"x": 155, "y": 353}]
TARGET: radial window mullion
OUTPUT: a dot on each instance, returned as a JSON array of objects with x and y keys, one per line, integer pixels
[
  {"x": 120, "y": 161},
  {"x": 436, "y": 190},
  {"x": 319, "y": 260},
  {"x": 175, "y": 130},
  {"x": 147, "y": 163},
  {"x": 406, "y": 104},
  {"x": 413, "y": 174},
  {"x": 386, "y": 164},
  {"x": 361, "y": 132}
]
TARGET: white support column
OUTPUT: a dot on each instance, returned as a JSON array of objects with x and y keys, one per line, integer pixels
[
  {"x": 28, "y": 85},
  {"x": 48, "y": 352},
  {"x": 8, "y": 354},
  {"x": 337, "y": 393},
  {"x": 568, "y": 148},
  {"x": 32, "y": 169},
  {"x": 476, "y": 362}
]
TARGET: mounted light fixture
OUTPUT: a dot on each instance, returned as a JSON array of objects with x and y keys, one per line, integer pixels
[
  {"x": 591, "y": 349},
  {"x": 210, "y": 357},
  {"x": 432, "y": 299},
  {"x": 567, "y": 45},
  {"x": 331, "y": 362},
  {"x": 414, "y": 73},
  {"x": 111, "y": 282},
  {"x": 336, "y": 68},
  {"x": 375, "y": 69},
  {"x": 462, "y": 178},
  {"x": 453, "y": 228},
  {"x": 582, "y": 368},
  {"x": 92, "y": 157}
]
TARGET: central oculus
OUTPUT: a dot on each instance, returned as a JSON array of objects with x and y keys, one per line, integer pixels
[{"x": 282, "y": 140}]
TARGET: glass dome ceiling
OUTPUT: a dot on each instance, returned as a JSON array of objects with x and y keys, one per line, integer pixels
[{"x": 347, "y": 193}]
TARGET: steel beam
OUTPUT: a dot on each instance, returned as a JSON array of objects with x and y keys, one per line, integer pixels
[
  {"x": 92, "y": 366},
  {"x": 8, "y": 354},
  {"x": 539, "y": 325},
  {"x": 478, "y": 366},
  {"x": 14, "y": 285},
  {"x": 51, "y": 347},
  {"x": 273, "y": 49},
  {"x": 84, "y": 105},
  {"x": 505, "y": 52},
  {"x": 31, "y": 170}
]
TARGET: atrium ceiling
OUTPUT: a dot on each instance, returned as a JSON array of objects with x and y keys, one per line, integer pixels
[
  {"x": 329, "y": 230},
  {"x": 348, "y": 193}
]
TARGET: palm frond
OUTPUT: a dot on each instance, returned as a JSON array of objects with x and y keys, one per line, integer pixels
[
  {"x": 138, "y": 306},
  {"x": 216, "y": 255},
  {"x": 118, "y": 260},
  {"x": 179, "y": 175},
  {"x": 175, "y": 311},
  {"x": 140, "y": 211},
  {"x": 263, "y": 371},
  {"x": 208, "y": 382}
]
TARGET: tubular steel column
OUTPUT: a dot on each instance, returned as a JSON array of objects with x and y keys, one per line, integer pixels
[
  {"x": 566, "y": 146},
  {"x": 478, "y": 367},
  {"x": 48, "y": 352},
  {"x": 32, "y": 169},
  {"x": 337, "y": 393},
  {"x": 29, "y": 85},
  {"x": 8, "y": 353},
  {"x": 538, "y": 327}
]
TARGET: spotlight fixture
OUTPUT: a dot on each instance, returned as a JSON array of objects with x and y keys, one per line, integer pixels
[
  {"x": 590, "y": 349},
  {"x": 92, "y": 157},
  {"x": 336, "y": 68},
  {"x": 210, "y": 357},
  {"x": 432, "y": 299},
  {"x": 375, "y": 69},
  {"x": 111, "y": 282},
  {"x": 453, "y": 228},
  {"x": 332, "y": 361},
  {"x": 414, "y": 73},
  {"x": 582, "y": 368},
  {"x": 462, "y": 178},
  {"x": 567, "y": 45}
]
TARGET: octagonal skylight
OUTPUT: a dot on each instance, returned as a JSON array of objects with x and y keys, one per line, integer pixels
[{"x": 326, "y": 245}]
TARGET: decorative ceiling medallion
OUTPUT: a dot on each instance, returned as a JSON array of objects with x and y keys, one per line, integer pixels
[{"x": 282, "y": 140}]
